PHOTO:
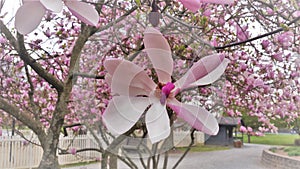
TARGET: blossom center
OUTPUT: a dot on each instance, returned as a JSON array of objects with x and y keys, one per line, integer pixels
[{"x": 165, "y": 92}]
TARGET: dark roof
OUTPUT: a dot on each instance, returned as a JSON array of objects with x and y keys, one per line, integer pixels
[{"x": 231, "y": 121}]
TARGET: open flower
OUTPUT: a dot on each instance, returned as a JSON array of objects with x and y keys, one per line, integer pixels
[
  {"x": 30, "y": 14},
  {"x": 136, "y": 95},
  {"x": 194, "y": 5},
  {"x": 72, "y": 151}
]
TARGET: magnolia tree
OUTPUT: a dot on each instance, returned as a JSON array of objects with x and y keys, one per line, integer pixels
[{"x": 102, "y": 65}]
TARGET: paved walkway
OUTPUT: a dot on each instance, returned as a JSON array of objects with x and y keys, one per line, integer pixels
[{"x": 248, "y": 157}]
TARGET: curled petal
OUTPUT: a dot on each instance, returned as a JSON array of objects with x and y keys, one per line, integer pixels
[
  {"x": 128, "y": 79},
  {"x": 197, "y": 117},
  {"x": 157, "y": 122},
  {"x": 159, "y": 52},
  {"x": 211, "y": 76},
  {"x": 53, "y": 5},
  {"x": 204, "y": 68},
  {"x": 123, "y": 112},
  {"x": 27, "y": 19},
  {"x": 192, "y": 5},
  {"x": 83, "y": 11}
]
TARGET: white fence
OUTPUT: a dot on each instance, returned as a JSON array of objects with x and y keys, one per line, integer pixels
[{"x": 16, "y": 153}]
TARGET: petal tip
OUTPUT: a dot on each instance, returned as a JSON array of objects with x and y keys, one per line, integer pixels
[{"x": 152, "y": 30}]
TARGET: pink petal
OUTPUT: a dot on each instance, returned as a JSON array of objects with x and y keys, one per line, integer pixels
[
  {"x": 197, "y": 117},
  {"x": 53, "y": 5},
  {"x": 212, "y": 76},
  {"x": 83, "y": 11},
  {"x": 159, "y": 52},
  {"x": 123, "y": 112},
  {"x": 192, "y": 5},
  {"x": 200, "y": 69},
  {"x": 27, "y": 19},
  {"x": 218, "y": 1},
  {"x": 128, "y": 79},
  {"x": 258, "y": 83},
  {"x": 157, "y": 122}
]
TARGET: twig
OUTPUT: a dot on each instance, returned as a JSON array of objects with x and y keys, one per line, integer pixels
[
  {"x": 107, "y": 150},
  {"x": 166, "y": 160},
  {"x": 69, "y": 126},
  {"x": 88, "y": 75},
  {"x": 187, "y": 150}
]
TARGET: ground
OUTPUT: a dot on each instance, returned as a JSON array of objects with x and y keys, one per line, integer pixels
[{"x": 247, "y": 157}]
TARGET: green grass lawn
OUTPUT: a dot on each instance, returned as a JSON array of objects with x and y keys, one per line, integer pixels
[
  {"x": 203, "y": 148},
  {"x": 78, "y": 164},
  {"x": 273, "y": 139}
]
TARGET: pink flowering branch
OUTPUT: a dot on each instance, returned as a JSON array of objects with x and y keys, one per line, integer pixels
[
  {"x": 86, "y": 32},
  {"x": 18, "y": 44},
  {"x": 257, "y": 37}
]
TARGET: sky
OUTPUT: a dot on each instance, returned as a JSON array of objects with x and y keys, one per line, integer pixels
[{"x": 10, "y": 7}]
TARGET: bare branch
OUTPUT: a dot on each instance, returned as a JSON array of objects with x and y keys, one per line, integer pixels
[
  {"x": 24, "y": 117},
  {"x": 88, "y": 75}
]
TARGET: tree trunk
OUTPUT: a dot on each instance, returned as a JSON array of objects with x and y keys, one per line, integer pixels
[
  {"x": 104, "y": 160},
  {"x": 249, "y": 141},
  {"x": 50, "y": 159},
  {"x": 113, "y": 161},
  {"x": 50, "y": 145}
]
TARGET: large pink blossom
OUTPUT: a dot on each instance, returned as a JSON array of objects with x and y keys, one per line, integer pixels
[
  {"x": 243, "y": 129},
  {"x": 30, "y": 14},
  {"x": 194, "y": 5},
  {"x": 135, "y": 93}
]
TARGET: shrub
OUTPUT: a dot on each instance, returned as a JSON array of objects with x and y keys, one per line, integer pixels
[{"x": 297, "y": 142}]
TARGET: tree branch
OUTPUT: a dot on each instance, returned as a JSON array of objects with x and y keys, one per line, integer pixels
[
  {"x": 18, "y": 45},
  {"x": 91, "y": 76},
  {"x": 76, "y": 52},
  {"x": 257, "y": 37},
  {"x": 23, "y": 117},
  {"x": 86, "y": 32}
]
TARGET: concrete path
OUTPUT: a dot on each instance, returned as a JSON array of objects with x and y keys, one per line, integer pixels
[{"x": 247, "y": 157}]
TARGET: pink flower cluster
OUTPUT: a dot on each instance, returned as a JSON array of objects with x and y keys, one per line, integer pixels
[{"x": 285, "y": 39}]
